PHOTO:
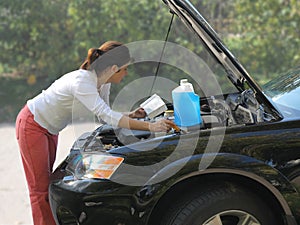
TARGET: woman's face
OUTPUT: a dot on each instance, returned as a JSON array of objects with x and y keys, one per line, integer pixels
[
  {"x": 113, "y": 74},
  {"x": 118, "y": 74}
]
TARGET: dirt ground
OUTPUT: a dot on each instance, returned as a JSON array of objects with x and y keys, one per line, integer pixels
[{"x": 14, "y": 199}]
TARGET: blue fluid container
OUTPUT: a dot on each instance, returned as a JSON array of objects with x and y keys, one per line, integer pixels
[{"x": 186, "y": 105}]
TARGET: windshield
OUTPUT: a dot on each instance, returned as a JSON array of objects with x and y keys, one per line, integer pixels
[{"x": 285, "y": 93}]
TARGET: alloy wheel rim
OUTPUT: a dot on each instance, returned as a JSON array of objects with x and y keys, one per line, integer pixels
[{"x": 232, "y": 217}]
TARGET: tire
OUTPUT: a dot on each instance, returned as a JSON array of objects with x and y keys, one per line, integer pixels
[{"x": 217, "y": 205}]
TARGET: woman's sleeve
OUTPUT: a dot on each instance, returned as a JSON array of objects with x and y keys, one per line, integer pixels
[{"x": 88, "y": 95}]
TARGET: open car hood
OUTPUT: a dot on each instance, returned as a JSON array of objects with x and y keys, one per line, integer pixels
[{"x": 235, "y": 71}]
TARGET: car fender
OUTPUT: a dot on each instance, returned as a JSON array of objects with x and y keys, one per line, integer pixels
[{"x": 228, "y": 163}]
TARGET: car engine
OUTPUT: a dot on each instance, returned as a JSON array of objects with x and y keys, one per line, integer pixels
[{"x": 221, "y": 111}]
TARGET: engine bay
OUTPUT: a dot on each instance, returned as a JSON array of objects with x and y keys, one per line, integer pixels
[{"x": 216, "y": 111}]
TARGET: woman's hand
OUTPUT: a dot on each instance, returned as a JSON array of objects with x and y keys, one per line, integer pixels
[
  {"x": 138, "y": 113},
  {"x": 161, "y": 126}
]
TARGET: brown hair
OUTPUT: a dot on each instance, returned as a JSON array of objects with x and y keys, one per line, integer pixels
[{"x": 108, "y": 54}]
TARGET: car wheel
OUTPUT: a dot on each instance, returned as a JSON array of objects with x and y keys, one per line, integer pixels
[{"x": 230, "y": 205}]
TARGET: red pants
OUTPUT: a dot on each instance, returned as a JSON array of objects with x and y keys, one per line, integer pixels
[{"x": 38, "y": 152}]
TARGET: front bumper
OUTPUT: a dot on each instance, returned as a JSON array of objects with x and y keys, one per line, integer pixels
[{"x": 94, "y": 202}]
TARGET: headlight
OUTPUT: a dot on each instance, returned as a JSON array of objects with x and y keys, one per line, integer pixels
[{"x": 97, "y": 166}]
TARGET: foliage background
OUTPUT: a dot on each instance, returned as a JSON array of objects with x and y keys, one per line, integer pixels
[{"x": 42, "y": 40}]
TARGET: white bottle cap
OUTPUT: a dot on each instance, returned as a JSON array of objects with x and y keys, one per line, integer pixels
[
  {"x": 187, "y": 87},
  {"x": 183, "y": 81}
]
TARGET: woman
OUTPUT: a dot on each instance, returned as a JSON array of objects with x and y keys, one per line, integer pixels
[{"x": 44, "y": 116}]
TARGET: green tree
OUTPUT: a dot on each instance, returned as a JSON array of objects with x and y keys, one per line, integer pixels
[
  {"x": 34, "y": 37},
  {"x": 265, "y": 35},
  {"x": 48, "y": 38}
]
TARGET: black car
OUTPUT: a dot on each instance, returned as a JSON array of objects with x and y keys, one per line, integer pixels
[{"x": 240, "y": 166}]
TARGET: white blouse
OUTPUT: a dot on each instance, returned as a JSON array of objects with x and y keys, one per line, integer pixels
[{"x": 55, "y": 107}]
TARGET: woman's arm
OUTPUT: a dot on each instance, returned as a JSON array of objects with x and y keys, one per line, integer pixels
[{"x": 158, "y": 126}]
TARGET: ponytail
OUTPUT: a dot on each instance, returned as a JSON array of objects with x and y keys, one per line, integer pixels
[{"x": 93, "y": 54}]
